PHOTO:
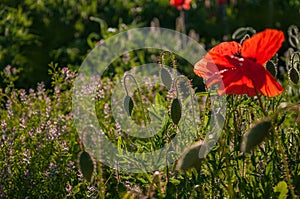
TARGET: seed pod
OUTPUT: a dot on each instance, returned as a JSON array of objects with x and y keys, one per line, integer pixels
[
  {"x": 294, "y": 75},
  {"x": 271, "y": 67},
  {"x": 256, "y": 135},
  {"x": 128, "y": 105},
  {"x": 86, "y": 165},
  {"x": 166, "y": 78},
  {"x": 175, "y": 111},
  {"x": 190, "y": 158}
]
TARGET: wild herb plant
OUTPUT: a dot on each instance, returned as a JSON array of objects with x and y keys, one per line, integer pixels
[{"x": 43, "y": 156}]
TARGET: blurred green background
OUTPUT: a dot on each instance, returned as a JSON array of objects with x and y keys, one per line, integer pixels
[{"x": 34, "y": 33}]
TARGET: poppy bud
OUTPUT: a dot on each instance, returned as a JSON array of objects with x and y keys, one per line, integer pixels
[
  {"x": 166, "y": 78},
  {"x": 190, "y": 158},
  {"x": 128, "y": 105},
  {"x": 294, "y": 75},
  {"x": 271, "y": 67},
  {"x": 175, "y": 111},
  {"x": 86, "y": 165},
  {"x": 256, "y": 135}
]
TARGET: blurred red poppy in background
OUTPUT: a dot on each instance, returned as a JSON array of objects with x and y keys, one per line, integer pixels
[
  {"x": 181, "y": 4},
  {"x": 221, "y": 2},
  {"x": 239, "y": 69}
]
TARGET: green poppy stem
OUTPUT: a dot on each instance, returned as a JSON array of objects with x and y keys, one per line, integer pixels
[
  {"x": 139, "y": 95},
  {"x": 260, "y": 103}
]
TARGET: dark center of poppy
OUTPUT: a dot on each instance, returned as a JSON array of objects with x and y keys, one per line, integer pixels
[{"x": 238, "y": 54}]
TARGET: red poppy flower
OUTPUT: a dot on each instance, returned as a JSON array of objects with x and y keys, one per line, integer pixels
[
  {"x": 239, "y": 69},
  {"x": 221, "y": 2},
  {"x": 181, "y": 4}
]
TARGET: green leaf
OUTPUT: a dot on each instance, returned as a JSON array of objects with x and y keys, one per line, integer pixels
[
  {"x": 256, "y": 135},
  {"x": 122, "y": 189},
  {"x": 159, "y": 99},
  {"x": 281, "y": 187},
  {"x": 174, "y": 181}
]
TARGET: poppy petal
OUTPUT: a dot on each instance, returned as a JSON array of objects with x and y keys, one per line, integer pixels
[
  {"x": 271, "y": 87},
  {"x": 186, "y": 4},
  {"x": 262, "y": 79},
  {"x": 214, "y": 61},
  {"x": 262, "y": 46},
  {"x": 248, "y": 77},
  {"x": 238, "y": 69},
  {"x": 226, "y": 49},
  {"x": 235, "y": 81},
  {"x": 207, "y": 69}
]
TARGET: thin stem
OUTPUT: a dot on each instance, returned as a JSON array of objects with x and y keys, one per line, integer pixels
[
  {"x": 260, "y": 103},
  {"x": 293, "y": 57},
  {"x": 139, "y": 95},
  {"x": 183, "y": 15},
  {"x": 163, "y": 54},
  {"x": 286, "y": 166}
]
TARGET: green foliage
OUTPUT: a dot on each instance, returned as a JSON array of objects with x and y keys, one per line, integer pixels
[
  {"x": 281, "y": 187},
  {"x": 32, "y": 34},
  {"x": 40, "y": 144}
]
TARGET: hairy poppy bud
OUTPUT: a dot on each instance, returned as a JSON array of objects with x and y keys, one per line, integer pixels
[
  {"x": 190, "y": 158},
  {"x": 86, "y": 165},
  {"x": 128, "y": 105},
  {"x": 294, "y": 75},
  {"x": 166, "y": 77},
  {"x": 175, "y": 111},
  {"x": 271, "y": 67},
  {"x": 256, "y": 135}
]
